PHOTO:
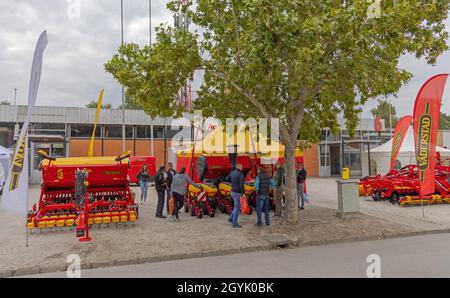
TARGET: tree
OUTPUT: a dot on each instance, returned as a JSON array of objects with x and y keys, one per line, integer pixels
[
  {"x": 386, "y": 111},
  {"x": 304, "y": 62},
  {"x": 131, "y": 104},
  {"x": 4, "y": 103},
  {"x": 93, "y": 105},
  {"x": 444, "y": 121}
]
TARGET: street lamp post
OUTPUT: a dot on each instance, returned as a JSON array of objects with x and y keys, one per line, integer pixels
[
  {"x": 150, "y": 20},
  {"x": 123, "y": 89}
]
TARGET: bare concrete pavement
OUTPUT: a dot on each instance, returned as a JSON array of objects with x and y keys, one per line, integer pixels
[{"x": 421, "y": 256}]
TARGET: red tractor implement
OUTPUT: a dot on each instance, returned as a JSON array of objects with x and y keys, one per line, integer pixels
[{"x": 75, "y": 191}]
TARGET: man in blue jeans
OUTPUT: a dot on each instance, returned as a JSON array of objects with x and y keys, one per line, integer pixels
[
  {"x": 237, "y": 189},
  {"x": 262, "y": 186}
]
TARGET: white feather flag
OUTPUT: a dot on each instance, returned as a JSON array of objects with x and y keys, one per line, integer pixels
[{"x": 15, "y": 193}]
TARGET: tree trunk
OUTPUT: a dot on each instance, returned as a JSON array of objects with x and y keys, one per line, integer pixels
[{"x": 291, "y": 207}]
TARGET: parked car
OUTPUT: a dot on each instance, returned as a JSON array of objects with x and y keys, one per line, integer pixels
[{"x": 136, "y": 163}]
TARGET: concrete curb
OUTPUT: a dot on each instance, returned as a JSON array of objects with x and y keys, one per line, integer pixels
[{"x": 212, "y": 253}]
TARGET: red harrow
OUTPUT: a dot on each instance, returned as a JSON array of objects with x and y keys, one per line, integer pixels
[{"x": 402, "y": 187}]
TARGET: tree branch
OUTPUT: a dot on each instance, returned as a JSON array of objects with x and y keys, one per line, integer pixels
[{"x": 255, "y": 102}]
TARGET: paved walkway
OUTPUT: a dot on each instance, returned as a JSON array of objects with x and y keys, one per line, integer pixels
[
  {"x": 324, "y": 194},
  {"x": 154, "y": 240},
  {"x": 423, "y": 256}
]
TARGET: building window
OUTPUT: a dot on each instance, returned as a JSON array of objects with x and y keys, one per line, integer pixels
[
  {"x": 143, "y": 132},
  {"x": 47, "y": 129},
  {"x": 171, "y": 132},
  {"x": 84, "y": 131},
  {"x": 113, "y": 132},
  {"x": 129, "y": 132},
  {"x": 158, "y": 132}
]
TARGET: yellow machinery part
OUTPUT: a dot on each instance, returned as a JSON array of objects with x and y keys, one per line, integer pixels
[
  {"x": 60, "y": 223},
  {"x": 249, "y": 188},
  {"x": 133, "y": 216},
  {"x": 106, "y": 217},
  {"x": 123, "y": 218},
  {"x": 70, "y": 222},
  {"x": 98, "y": 220}
]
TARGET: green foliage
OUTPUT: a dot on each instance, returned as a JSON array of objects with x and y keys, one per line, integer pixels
[
  {"x": 306, "y": 62},
  {"x": 444, "y": 121},
  {"x": 386, "y": 111},
  {"x": 93, "y": 105},
  {"x": 131, "y": 105},
  {"x": 297, "y": 60}
]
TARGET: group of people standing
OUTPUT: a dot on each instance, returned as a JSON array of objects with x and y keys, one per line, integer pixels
[
  {"x": 167, "y": 183},
  {"x": 263, "y": 184},
  {"x": 170, "y": 183}
]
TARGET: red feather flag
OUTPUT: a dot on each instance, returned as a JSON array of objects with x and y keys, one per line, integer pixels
[
  {"x": 426, "y": 123},
  {"x": 399, "y": 136}
]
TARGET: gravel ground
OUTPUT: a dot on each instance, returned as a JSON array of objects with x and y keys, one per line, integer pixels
[
  {"x": 153, "y": 239},
  {"x": 436, "y": 216}
]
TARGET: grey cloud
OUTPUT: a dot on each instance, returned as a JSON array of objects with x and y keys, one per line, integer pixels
[
  {"x": 73, "y": 67},
  {"x": 73, "y": 70}
]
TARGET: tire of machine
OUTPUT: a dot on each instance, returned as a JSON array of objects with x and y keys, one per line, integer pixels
[
  {"x": 395, "y": 198},
  {"x": 376, "y": 196}
]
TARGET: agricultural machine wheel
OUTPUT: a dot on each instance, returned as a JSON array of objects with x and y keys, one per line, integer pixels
[
  {"x": 192, "y": 211},
  {"x": 186, "y": 207},
  {"x": 394, "y": 198},
  {"x": 212, "y": 213},
  {"x": 200, "y": 214},
  {"x": 377, "y": 196},
  {"x": 222, "y": 207}
]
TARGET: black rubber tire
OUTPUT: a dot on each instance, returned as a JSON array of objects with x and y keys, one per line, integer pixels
[
  {"x": 395, "y": 198},
  {"x": 376, "y": 196}
]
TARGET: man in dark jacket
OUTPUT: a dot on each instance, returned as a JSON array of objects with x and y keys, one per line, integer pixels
[
  {"x": 278, "y": 190},
  {"x": 301, "y": 178},
  {"x": 262, "y": 186},
  {"x": 161, "y": 187},
  {"x": 237, "y": 189},
  {"x": 170, "y": 174}
]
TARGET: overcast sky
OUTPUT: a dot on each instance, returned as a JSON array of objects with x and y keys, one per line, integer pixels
[{"x": 78, "y": 47}]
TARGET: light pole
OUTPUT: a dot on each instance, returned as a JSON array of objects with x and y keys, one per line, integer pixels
[
  {"x": 150, "y": 21},
  {"x": 15, "y": 96},
  {"x": 123, "y": 89}
]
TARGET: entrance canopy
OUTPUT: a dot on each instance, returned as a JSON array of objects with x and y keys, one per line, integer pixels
[{"x": 381, "y": 155}]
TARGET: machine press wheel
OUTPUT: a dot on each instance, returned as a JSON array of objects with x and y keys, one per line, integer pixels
[{"x": 377, "y": 196}]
